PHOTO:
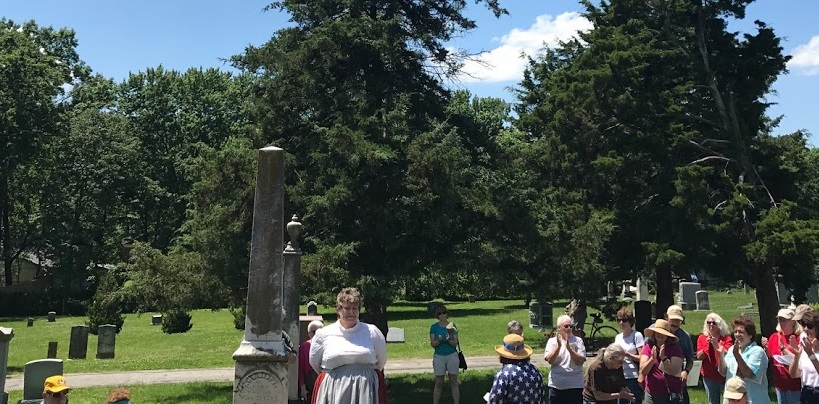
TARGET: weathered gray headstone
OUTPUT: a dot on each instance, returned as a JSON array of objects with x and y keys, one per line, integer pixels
[
  {"x": 395, "y": 334},
  {"x": 29, "y": 322},
  {"x": 746, "y": 289},
  {"x": 6, "y": 334},
  {"x": 35, "y": 373},
  {"x": 304, "y": 321},
  {"x": 535, "y": 314},
  {"x": 52, "y": 350},
  {"x": 702, "y": 300},
  {"x": 642, "y": 291},
  {"x": 290, "y": 301},
  {"x": 812, "y": 296},
  {"x": 547, "y": 310},
  {"x": 312, "y": 308},
  {"x": 783, "y": 293},
  {"x": 52, "y": 316},
  {"x": 156, "y": 319},
  {"x": 688, "y": 297},
  {"x": 261, "y": 361},
  {"x": 78, "y": 346},
  {"x": 106, "y": 341},
  {"x": 610, "y": 288}
]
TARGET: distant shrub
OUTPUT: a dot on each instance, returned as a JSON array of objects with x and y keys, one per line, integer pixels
[
  {"x": 105, "y": 308},
  {"x": 238, "y": 317},
  {"x": 176, "y": 321}
]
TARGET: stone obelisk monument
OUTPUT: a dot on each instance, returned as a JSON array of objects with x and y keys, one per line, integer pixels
[{"x": 261, "y": 360}]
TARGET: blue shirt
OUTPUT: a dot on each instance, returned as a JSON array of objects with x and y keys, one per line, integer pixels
[
  {"x": 444, "y": 348},
  {"x": 518, "y": 383},
  {"x": 757, "y": 360},
  {"x": 687, "y": 346}
]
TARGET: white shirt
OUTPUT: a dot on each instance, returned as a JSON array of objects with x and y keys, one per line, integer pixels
[
  {"x": 565, "y": 374},
  {"x": 633, "y": 344},
  {"x": 335, "y": 346},
  {"x": 809, "y": 375}
]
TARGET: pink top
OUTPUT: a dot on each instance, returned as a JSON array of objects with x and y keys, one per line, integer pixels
[{"x": 659, "y": 383}]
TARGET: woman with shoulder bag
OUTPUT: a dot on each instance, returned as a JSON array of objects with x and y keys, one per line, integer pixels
[{"x": 661, "y": 364}]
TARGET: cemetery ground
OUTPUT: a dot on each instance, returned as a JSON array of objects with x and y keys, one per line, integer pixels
[{"x": 213, "y": 339}]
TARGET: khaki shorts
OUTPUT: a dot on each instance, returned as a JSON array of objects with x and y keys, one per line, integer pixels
[{"x": 445, "y": 364}]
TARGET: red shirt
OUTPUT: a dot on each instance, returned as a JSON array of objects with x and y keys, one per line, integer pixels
[
  {"x": 304, "y": 364},
  {"x": 710, "y": 364},
  {"x": 782, "y": 379}
]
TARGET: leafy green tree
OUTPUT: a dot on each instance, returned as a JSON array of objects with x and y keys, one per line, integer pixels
[
  {"x": 35, "y": 65},
  {"x": 346, "y": 92}
]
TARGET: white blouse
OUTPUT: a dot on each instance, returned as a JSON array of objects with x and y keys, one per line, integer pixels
[{"x": 335, "y": 346}]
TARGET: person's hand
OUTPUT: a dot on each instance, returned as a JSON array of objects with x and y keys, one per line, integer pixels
[
  {"x": 654, "y": 352},
  {"x": 661, "y": 353},
  {"x": 736, "y": 348},
  {"x": 684, "y": 375},
  {"x": 559, "y": 339},
  {"x": 807, "y": 347},
  {"x": 764, "y": 342},
  {"x": 714, "y": 342},
  {"x": 303, "y": 393},
  {"x": 627, "y": 395},
  {"x": 793, "y": 343}
]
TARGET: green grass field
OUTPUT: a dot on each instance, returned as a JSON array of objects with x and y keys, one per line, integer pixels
[
  {"x": 403, "y": 389},
  {"x": 212, "y": 340}
]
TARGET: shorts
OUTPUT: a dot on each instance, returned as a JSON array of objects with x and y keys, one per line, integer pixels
[{"x": 442, "y": 364}]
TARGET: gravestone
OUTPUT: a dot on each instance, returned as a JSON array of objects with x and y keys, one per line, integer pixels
[
  {"x": 52, "y": 350},
  {"x": 746, "y": 289},
  {"x": 156, "y": 319},
  {"x": 812, "y": 296},
  {"x": 78, "y": 347},
  {"x": 625, "y": 292},
  {"x": 535, "y": 314},
  {"x": 6, "y": 334},
  {"x": 642, "y": 290},
  {"x": 642, "y": 314},
  {"x": 261, "y": 361},
  {"x": 312, "y": 308},
  {"x": 702, "y": 300},
  {"x": 35, "y": 373},
  {"x": 291, "y": 280},
  {"x": 783, "y": 293},
  {"x": 304, "y": 321},
  {"x": 547, "y": 320},
  {"x": 610, "y": 289},
  {"x": 106, "y": 341},
  {"x": 29, "y": 322},
  {"x": 52, "y": 316},
  {"x": 688, "y": 295},
  {"x": 395, "y": 334}
]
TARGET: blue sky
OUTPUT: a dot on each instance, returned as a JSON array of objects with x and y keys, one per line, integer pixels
[{"x": 117, "y": 37}]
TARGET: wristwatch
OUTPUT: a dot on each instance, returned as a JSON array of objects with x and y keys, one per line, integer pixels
[{"x": 812, "y": 357}]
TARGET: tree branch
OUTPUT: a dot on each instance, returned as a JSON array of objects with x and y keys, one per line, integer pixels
[{"x": 709, "y": 158}]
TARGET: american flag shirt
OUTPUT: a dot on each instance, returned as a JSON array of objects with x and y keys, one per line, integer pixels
[{"x": 517, "y": 383}]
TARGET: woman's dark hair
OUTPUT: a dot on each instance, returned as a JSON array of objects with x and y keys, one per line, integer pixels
[
  {"x": 746, "y": 323},
  {"x": 811, "y": 318},
  {"x": 507, "y": 361},
  {"x": 627, "y": 314}
]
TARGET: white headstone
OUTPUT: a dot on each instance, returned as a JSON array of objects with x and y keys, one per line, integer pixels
[
  {"x": 783, "y": 293},
  {"x": 395, "y": 334},
  {"x": 702, "y": 300},
  {"x": 688, "y": 297},
  {"x": 642, "y": 290},
  {"x": 6, "y": 334}
]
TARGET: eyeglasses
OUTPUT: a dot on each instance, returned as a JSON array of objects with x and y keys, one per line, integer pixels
[
  {"x": 711, "y": 322},
  {"x": 622, "y": 320},
  {"x": 58, "y": 395},
  {"x": 810, "y": 326},
  {"x": 442, "y": 312}
]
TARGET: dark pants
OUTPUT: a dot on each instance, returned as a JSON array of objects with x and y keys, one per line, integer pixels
[
  {"x": 635, "y": 389},
  {"x": 568, "y": 396},
  {"x": 810, "y": 395}
]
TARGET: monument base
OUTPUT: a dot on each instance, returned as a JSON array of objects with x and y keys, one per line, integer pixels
[
  {"x": 260, "y": 373},
  {"x": 4, "y": 397}
]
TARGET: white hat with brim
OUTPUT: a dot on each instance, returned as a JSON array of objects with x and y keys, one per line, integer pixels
[
  {"x": 675, "y": 312},
  {"x": 513, "y": 347},
  {"x": 660, "y": 327},
  {"x": 787, "y": 314},
  {"x": 735, "y": 388}
]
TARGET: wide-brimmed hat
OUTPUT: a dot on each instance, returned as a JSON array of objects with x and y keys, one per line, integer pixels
[
  {"x": 735, "y": 388},
  {"x": 800, "y": 311},
  {"x": 660, "y": 326},
  {"x": 675, "y": 312},
  {"x": 55, "y": 384},
  {"x": 787, "y": 314},
  {"x": 513, "y": 348}
]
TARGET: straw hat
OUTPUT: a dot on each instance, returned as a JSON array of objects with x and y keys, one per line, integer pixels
[
  {"x": 513, "y": 348},
  {"x": 662, "y": 327}
]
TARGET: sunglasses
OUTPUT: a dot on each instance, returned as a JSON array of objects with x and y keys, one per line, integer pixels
[
  {"x": 442, "y": 312},
  {"x": 58, "y": 395},
  {"x": 566, "y": 326},
  {"x": 711, "y": 322},
  {"x": 810, "y": 326},
  {"x": 622, "y": 320}
]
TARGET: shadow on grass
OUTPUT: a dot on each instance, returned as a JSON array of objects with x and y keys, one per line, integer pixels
[
  {"x": 199, "y": 393},
  {"x": 456, "y": 313},
  {"x": 14, "y": 369},
  {"x": 411, "y": 389}
]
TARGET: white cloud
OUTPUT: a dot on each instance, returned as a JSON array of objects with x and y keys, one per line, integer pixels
[
  {"x": 506, "y": 62},
  {"x": 806, "y": 57}
]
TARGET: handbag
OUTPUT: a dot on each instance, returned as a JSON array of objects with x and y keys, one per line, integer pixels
[{"x": 461, "y": 360}]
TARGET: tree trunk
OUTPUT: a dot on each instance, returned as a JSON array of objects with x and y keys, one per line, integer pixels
[
  {"x": 766, "y": 299},
  {"x": 665, "y": 290},
  {"x": 376, "y": 315}
]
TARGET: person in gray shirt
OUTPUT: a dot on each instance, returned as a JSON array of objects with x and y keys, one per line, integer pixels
[{"x": 675, "y": 318}]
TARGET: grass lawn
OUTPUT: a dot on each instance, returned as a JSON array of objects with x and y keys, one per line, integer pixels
[
  {"x": 403, "y": 389},
  {"x": 212, "y": 340}
]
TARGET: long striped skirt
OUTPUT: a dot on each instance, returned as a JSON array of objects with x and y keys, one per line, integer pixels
[{"x": 350, "y": 384}]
